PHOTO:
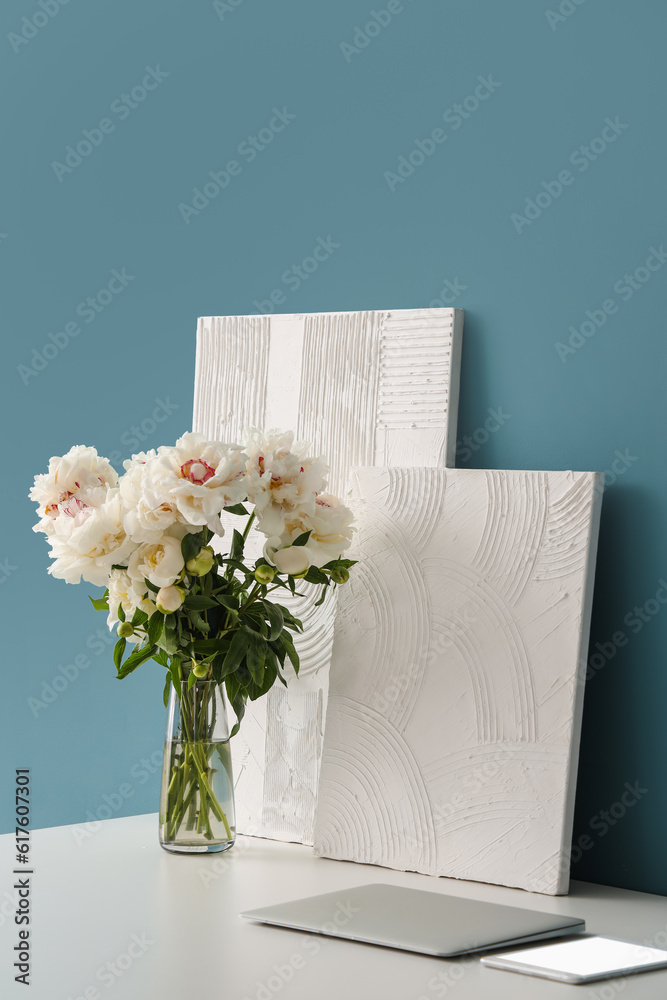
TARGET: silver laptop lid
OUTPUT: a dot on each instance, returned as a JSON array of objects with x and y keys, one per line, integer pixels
[{"x": 415, "y": 919}]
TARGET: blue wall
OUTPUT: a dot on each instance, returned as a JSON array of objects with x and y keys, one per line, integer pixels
[{"x": 539, "y": 93}]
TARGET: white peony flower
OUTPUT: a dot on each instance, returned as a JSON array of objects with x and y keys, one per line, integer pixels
[
  {"x": 215, "y": 525},
  {"x": 281, "y": 478},
  {"x": 197, "y": 477},
  {"x": 293, "y": 559},
  {"x": 148, "y": 510},
  {"x": 330, "y": 525},
  {"x": 159, "y": 562},
  {"x": 129, "y": 593},
  {"x": 74, "y": 482},
  {"x": 45, "y": 525},
  {"x": 271, "y": 546},
  {"x": 139, "y": 458},
  {"x": 86, "y": 544},
  {"x": 169, "y": 599}
]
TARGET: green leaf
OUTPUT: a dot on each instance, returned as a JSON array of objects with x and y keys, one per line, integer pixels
[
  {"x": 256, "y": 690},
  {"x": 120, "y": 613},
  {"x": 161, "y": 658},
  {"x": 275, "y": 618},
  {"x": 167, "y": 688},
  {"x": 216, "y": 668},
  {"x": 256, "y": 685},
  {"x": 139, "y": 617},
  {"x": 117, "y": 566},
  {"x": 279, "y": 651},
  {"x": 135, "y": 660},
  {"x": 302, "y": 539},
  {"x": 118, "y": 651},
  {"x": 233, "y": 686},
  {"x": 206, "y": 647},
  {"x": 345, "y": 563},
  {"x": 236, "y": 652},
  {"x": 277, "y": 582},
  {"x": 191, "y": 680},
  {"x": 237, "y": 508},
  {"x": 238, "y": 704},
  {"x": 289, "y": 618},
  {"x": 150, "y": 586},
  {"x": 167, "y": 640},
  {"x": 237, "y": 699},
  {"x": 236, "y": 551},
  {"x": 191, "y": 545},
  {"x": 229, "y": 601},
  {"x": 315, "y": 575},
  {"x": 291, "y": 651},
  {"x": 154, "y": 627},
  {"x": 175, "y": 676},
  {"x": 198, "y": 621},
  {"x": 272, "y": 664},
  {"x": 255, "y": 621},
  {"x": 100, "y": 603},
  {"x": 255, "y": 658},
  {"x": 199, "y": 602},
  {"x": 237, "y": 564}
]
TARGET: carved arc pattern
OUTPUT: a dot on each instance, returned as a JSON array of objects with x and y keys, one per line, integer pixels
[{"x": 478, "y": 738}]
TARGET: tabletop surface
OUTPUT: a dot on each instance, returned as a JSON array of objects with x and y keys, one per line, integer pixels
[{"x": 113, "y": 915}]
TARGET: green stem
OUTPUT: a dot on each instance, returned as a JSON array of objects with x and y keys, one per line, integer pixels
[
  {"x": 215, "y": 805},
  {"x": 174, "y": 809},
  {"x": 254, "y": 593},
  {"x": 252, "y": 596},
  {"x": 247, "y": 527},
  {"x": 192, "y": 808},
  {"x": 187, "y": 803},
  {"x": 195, "y": 758},
  {"x": 203, "y": 810},
  {"x": 173, "y": 782}
]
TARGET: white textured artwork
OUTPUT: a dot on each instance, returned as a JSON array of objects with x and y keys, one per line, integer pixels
[
  {"x": 455, "y": 698},
  {"x": 365, "y": 388}
]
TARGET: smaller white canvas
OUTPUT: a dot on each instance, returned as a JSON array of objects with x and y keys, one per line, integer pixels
[{"x": 455, "y": 698}]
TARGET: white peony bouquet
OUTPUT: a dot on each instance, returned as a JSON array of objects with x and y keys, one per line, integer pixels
[{"x": 146, "y": 537}]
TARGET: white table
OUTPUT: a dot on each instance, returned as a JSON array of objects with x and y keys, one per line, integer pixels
[{"x": 116, "y": 916}]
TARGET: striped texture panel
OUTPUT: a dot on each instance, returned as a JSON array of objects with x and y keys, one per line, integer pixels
[
  {"x": 365, "y": 388},
  {"x": 455, "y": 696}
]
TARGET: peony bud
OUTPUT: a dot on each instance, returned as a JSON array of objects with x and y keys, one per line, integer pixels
[
  {"x": 169, "y": 599},
  {"x": 264, "y": 574},
  {"x": 124, "y": 630},
  {"x": 200, "y": 564},
  {"x": 292, "y": 560},
  {"x": 200, "y": 670},
  {"x": 340, "y": 575}
]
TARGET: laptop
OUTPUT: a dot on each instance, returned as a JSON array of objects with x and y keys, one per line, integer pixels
[{"x": 416, "y": 920}]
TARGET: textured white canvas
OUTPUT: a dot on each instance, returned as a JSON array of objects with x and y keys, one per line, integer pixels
[
  {"x": 365, "y": 388},
  {"x": 455, "y": 698}
]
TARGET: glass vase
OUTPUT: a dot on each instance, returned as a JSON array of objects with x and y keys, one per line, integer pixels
[{"x": 197, "y": 798}]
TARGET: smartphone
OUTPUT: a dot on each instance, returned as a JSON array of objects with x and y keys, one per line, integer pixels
[{"x": 581, "y": 959}]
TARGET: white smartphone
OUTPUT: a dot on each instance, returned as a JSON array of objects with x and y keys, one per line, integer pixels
[{"x": 580, "y": 960}]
